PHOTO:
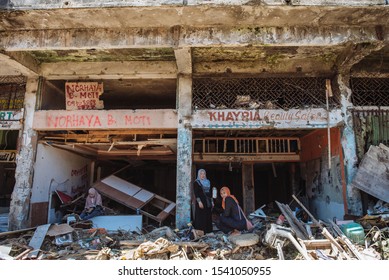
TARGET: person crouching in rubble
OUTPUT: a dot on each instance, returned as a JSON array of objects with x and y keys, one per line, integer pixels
[
  {"x": 232, "y": 219},
  {"x": 93, "y": 205}
]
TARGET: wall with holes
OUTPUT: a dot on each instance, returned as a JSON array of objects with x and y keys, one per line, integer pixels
[
  {"x": 58, "y": 170},
  {"x": 324, "y": 180}
]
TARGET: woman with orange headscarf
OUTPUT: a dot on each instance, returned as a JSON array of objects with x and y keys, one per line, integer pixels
[{"x": 232, "y": 217}]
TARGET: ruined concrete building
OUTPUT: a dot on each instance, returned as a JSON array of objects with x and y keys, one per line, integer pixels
[{"x": 271, "y": 97}]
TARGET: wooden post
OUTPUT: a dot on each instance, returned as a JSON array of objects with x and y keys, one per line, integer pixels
[{"x": 248, "y": 187}]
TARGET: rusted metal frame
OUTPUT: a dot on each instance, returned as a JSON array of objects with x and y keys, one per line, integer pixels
[{"x": 212, "y": 88}]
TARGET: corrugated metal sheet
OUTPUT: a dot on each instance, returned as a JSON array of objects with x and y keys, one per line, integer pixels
[{"x": 371, "y": 128}]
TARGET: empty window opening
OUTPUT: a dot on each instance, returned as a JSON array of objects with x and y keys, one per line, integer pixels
[{"x": 117, "y": 94}]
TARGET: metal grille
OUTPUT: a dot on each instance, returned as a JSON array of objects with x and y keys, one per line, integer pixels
[
  {"x": 12, "y": 90},
  {"x": 370, "y": 91},
  {"x": 260, "y": 93}
]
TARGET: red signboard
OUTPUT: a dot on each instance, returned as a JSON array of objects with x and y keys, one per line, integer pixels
[{"x": 83, "y": 96}]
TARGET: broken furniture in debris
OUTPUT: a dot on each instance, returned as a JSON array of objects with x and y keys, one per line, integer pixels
[
  {"x": 64, "y": 241},
  {"x": 295, "y": 237},
  {"x": 136, "y": 198},
  {"x": 277, "y": 235}
]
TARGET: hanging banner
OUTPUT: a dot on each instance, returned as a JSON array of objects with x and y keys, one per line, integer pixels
[
  {"x": 11, "y": 120},
  {"x": 83, "y": 95}
]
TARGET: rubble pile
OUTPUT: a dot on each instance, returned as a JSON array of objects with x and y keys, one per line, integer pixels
[{"x": 284, "y": 235}]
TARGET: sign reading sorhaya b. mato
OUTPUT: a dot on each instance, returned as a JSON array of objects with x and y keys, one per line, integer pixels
[{"x": 83, "y": 95}]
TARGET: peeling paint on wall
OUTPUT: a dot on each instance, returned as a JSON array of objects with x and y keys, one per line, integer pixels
[
  {"x": 354, "y": 202},
  {"x": 20, "y": 201}
]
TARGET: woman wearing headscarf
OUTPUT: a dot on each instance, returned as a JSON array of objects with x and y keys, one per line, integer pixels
[
  {"x": 203, "y": 203},
  {"x": 93, "y": 205},
  {"x": 232, "y": 219}
]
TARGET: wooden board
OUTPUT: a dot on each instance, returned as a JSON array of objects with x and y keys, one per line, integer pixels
[
  {"x": 38, "y": 213},
  {"x": 121, "y": 185},
  {"x": 372, "y": 176},
  {"x": 118, "y": 196},
  {"x": 135, "y": 197},
  {"x": 37, "y": 239}
]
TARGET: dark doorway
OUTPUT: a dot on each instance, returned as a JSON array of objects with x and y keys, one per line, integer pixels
[
  {"x": 272, "y": 183},
  {"x": 225, "y": 174}
]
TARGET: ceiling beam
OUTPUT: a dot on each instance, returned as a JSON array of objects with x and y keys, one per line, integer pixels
[
  {"x": 110, "y": 70},
  {"x": 18, "y": 65},
  {"x": 62, "y": 39},
  {"x": 315, "y": 66},
  {"x": 354, "y": 53},
  {"x": 238, "y": 15}
]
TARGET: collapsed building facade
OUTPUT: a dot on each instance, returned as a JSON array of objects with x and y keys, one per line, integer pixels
[{"x": 272, "y": 98}]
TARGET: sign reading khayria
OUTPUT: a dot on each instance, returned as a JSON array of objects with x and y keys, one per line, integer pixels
[{"x": 83, "y": 95}]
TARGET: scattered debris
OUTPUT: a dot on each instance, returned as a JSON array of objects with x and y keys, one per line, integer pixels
[
  {"x": 372, "y": 176},
  {"x": 295, "y": 238}
]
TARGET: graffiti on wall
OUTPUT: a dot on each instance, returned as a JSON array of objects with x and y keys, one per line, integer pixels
[
  {"x": 82, "y": 175},
  {"x": 96, "y": 121},
  {"x": 115, "y": 119},
  {"x": 83, "y": 96}
]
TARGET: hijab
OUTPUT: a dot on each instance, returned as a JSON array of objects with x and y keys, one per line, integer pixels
[
  {"x": 94, "y": 200},
  {"x": 204, "y": 182},
  {"x": 228, "y": 192}
]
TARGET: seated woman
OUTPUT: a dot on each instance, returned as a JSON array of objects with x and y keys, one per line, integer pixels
[
  {"x": 232, "y": 218},
  {"x": 93, "y": 205}
]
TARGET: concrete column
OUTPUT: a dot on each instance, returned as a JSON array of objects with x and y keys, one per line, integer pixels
[
  {"x": 20, "y": 200},
  {"x": 354, "y": 203},
  {"x": 184, "y": 151}
]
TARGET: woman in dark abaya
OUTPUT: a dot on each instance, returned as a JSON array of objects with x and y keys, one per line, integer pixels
[{"x": 204, "y": 202}]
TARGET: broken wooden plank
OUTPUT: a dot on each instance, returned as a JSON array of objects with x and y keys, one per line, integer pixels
[
  {"x": 306, "y": 210},
  {"x": 37, "y": 240},
  {"x": 315, "y": 244},
  {"x": 329, "y": 236},
  {"x": 346, "y": 241},
  {"x": 295, "y": 224},
  {"x": 118, "y": 196},
  {"x": 372, "y": 175},
  {"x": 21, "y": 255},
  {"x": 16, "y": 231}
]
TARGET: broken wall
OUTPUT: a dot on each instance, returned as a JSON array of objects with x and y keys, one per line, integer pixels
[
  {"x": 56, "y": 169},
  {"x": 324, "y": 181}
]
